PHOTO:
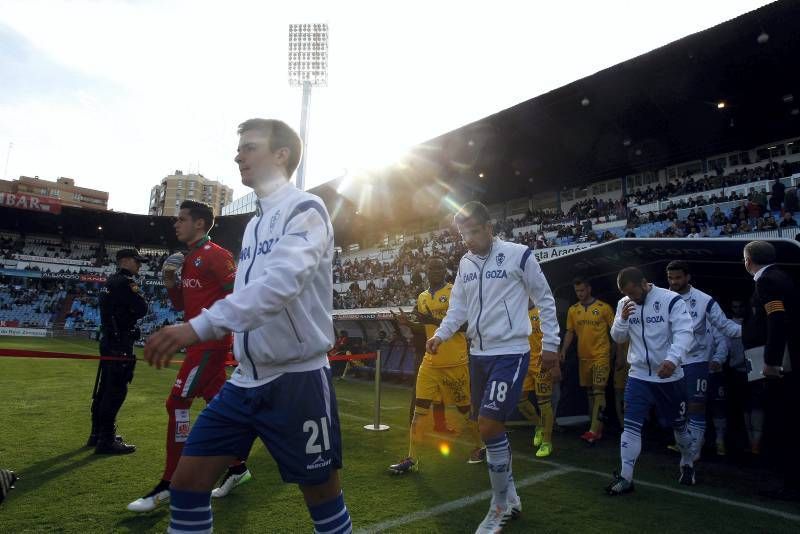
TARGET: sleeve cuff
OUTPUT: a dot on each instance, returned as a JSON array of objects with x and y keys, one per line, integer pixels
[
  {"x": 440, "y": 334},
  {"x": 203, "y": 328},
  {"x": 674, "y": 360},
  {"x": 549, "y": 347},
  {"x": 619, "y": 324}
]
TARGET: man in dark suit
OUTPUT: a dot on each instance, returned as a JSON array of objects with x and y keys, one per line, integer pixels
[{"x": 775, "y": 326}]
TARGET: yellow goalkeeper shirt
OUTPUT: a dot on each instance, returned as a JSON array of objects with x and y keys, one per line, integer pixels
[{"x": 591, "y": 324}]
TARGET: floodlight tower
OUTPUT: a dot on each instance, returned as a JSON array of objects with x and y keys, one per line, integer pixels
[{"x": 308, "y": 67}]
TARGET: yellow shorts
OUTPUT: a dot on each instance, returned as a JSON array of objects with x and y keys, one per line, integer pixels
[
  {"x": 450, "y": 384},
  {"x": 621, "y": 377},
  {"x": 593, "y": 372},
  {"x": 536, "y": 380}
]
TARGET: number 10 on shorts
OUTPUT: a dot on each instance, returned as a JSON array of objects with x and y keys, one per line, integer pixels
[
  {"x": 312, "y": 446},
  {"x": 501, "y": 389}
]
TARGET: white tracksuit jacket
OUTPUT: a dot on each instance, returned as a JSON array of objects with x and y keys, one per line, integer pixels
[
  {"x": 491, "y": 294},
  {"x": 659, "y": 329},
  {"x": 282, "y": 302},
  {"x": 706, "y": 316}
]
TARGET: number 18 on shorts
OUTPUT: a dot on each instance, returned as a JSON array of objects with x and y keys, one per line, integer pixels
[{"x": 496, "y": 384}]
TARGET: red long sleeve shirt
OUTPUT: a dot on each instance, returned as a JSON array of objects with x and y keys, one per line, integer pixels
[{"x": 207, "y": 276}]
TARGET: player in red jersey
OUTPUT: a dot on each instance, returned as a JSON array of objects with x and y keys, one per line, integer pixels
[{"x": 207, "y": 275}]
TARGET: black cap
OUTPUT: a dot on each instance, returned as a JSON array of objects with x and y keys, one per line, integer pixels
[{"x": 130, "y": 253}]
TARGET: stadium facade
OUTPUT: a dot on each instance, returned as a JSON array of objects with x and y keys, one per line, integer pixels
[{"x": 61, "y": 192}]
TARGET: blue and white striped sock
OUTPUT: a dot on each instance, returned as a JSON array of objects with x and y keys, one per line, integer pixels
[
  {"x": 686, "y": 443},
  {"x": 630, "y": 446},
  {"x": 512, "y": 488},
  {"x": 697, "y": 430},
  {"x": 189, "y": 512},
  {"x": 498, "y": 458},
  {"x": 331, "y": 517}
]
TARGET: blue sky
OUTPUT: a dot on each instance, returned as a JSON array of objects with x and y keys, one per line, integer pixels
[{"x": 118, "y": 94}]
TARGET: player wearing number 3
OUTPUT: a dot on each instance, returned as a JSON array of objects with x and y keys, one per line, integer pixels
[
  {"x": 280, "y": 312},
  {"x": 659, "y": 328},
  {"x": 494, "y": 283}
]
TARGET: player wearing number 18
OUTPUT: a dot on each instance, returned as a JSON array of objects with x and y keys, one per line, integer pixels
[
  {"x": 493, "y": 286},
  {"x": 280, "y": 311}
]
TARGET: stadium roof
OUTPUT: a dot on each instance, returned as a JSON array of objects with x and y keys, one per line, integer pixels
[
  {"x": 644, "y": 114},
  {"x": 110, "y": 226}
]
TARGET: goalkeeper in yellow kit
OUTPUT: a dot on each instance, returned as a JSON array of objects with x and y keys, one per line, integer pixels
[{"x": 590, "y": 321}]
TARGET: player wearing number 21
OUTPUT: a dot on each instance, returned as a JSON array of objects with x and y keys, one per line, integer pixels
[
  {"x": 494, "y": 283},
  {"x": 280, "y": 312}
]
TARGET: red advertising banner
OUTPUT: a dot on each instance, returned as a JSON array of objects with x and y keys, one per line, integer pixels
[
  {"x": 27, "y": 201},
  {"x": 93, "y": 278},
  {"x": 9, "y": 324}
]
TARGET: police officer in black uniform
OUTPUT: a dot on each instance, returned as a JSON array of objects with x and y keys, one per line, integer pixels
[
  {"x": 121, "y": 305},
  {"x": 774, "y": 325}
]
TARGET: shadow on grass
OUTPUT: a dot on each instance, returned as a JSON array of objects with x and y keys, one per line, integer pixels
[
  {"x": 34, "y": 476},
  {"x": 143, "y": 522}
]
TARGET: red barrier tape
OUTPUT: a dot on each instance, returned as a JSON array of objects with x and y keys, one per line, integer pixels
[
  {"x": 20, "y": 353},
  {"x": 349, "y": 357}
]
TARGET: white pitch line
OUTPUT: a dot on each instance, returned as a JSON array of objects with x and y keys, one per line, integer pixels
[
  {"x": 455, "y": 505},
  {"x": 714, "y": 498},
  {"x": 573, "y": 468}
]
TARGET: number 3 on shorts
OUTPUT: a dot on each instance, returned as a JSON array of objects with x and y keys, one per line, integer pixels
[
  {"x": 501, "y": 387},
  {"x": 312, "y": 447}
]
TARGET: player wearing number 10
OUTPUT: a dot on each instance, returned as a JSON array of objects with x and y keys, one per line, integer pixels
[
  {"x": 493, "y": 286},
  {"x": 281, "y": 314}
]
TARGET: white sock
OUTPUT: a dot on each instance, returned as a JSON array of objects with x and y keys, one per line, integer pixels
[
  {"x": 630, "y": 446},
  {"x": 686, "y": 445},
  {"x": 756, "y": 426},
  {"x": 720, "y": 426},
  {"x": 512, "y": 488},
  {"x": 498, "y": 458},
  {"x": 697, "y": 431}
]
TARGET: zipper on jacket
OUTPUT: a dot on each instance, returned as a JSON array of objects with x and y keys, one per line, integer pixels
[
  {"x": 294, "y": 328},
  {"x": 507, "y": 314},
  {"x": 246, "y": 280},
  {"x": 480, "y": 294},
  {"x": 644, "y": 340}
]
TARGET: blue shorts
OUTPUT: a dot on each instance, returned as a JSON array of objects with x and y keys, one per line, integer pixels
[
  {"x": 696, "y": 377},
  {"x": 295, "y": 416},
  {"x": 669, "y": 399},
  {"x": 496, "y": 384}
]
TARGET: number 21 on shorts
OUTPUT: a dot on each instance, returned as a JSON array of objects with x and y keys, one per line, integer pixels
[{"x": 312, "y": 446}]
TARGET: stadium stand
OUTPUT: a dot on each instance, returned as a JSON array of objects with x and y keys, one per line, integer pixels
[{"x": 737, "y": 204}]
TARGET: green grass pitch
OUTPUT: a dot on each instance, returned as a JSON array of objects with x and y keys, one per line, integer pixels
[{"x": 65, "y": 488}]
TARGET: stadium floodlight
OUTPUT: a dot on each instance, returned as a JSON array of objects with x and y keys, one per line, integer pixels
[{"x": 308, "y": 67}]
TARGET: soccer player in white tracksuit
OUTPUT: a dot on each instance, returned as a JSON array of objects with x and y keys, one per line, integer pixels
[
  {"x": 708, "y": 350},
  {"x": 659, "y": 328},
  {"x": 281, "y": 314},
  {"x": 495, "y": 279}
]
